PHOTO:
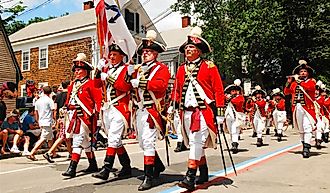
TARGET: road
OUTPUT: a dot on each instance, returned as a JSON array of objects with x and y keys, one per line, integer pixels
[{"x": 275, "y": 167}]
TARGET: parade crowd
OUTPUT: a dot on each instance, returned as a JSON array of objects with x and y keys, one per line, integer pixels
[{"x": 124, "y": 96}]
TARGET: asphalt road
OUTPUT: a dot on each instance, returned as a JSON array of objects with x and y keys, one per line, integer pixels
[{"x": 275, "y": 167}]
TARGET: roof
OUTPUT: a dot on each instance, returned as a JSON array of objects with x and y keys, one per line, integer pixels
[
  {"x": 175, "y": 37},
  {"x": 56, "y": 25}
]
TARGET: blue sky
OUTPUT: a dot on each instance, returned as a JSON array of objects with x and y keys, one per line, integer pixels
[{"x": 59, "y": 7}]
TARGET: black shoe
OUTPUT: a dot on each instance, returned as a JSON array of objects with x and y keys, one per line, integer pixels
[
  {"x": 48, "y": 158},
  {"x": 325, "y": 137},
  {"x": 180, "y": 147},
  {"x": 147, "y": 182},
  {"x": 103, "y": 174},
  {"x": 92, "y": 167},
  {"x": 254, "y": 134},
  {"x": 259, "y": 142},
  {"x": 189, "y": 180},
  {"x": 71, "y": 171},
  {"x": 279, "y": 137},
  {"x": 125, "y": 172},
  {"x": 306, "y": 150},
  {"x": 234, "y": 149},
  {"x": 267, "y": 131},
  {"x": 318, "y": 143}
]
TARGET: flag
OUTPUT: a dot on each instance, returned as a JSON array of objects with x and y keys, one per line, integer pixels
[{"x": 111, "y": 27}]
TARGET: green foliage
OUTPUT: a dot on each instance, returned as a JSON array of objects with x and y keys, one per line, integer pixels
[{"x": 271, "y": 36}]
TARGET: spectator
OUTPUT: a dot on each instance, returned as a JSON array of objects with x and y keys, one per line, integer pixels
[
  {"x": 3, "y": 109},
  {"x": 45, "y": 115},
  {"x": 35, "y": 97},
  {"x": 31, "y": 131},
  {"x": 12, "y": 126},
  {"x": 3, "y": 137}
]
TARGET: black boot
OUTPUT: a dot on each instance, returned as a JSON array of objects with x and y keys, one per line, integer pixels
[
  {"x": 71, "y": 171},
  {"x": 189, "y": 180},
  {"x": 254, "y": 134},
  {"x": 203, "y": 174},
  {"x": 275, "y": 131},
  {"x": 147, "y": 182},
  {"x": 267, "y": 131},
  {"x": 318, "y": 143},
  {"x": 259, "y": 142},
  {"x": 180, "y": 147},
  {"x": 92, "y": 166},
  {"x": 326, "y": 137},
  {"x": 306, "y": 150},
  {"x": 279, "y": 137},
  {"x": 159, "y": 167},
  {"x": 105, "y": 171},
  {"x": 235, "y": 147},
  {"x": 126, "y": 171}
]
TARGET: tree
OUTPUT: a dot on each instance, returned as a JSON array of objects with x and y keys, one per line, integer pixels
[{"x": 269, "y": 35}]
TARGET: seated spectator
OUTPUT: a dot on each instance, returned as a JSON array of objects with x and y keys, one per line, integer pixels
[
  {"x": 3, "y": 137},
  {"x": 31, "y": 131},
  {"x": 12, "y": 126}
]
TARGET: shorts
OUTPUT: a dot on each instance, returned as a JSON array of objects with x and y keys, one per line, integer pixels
[{"x": 46, "y": 133}]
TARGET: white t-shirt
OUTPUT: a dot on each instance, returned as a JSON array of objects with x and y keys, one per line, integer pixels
[{"x": 44, "y": 106}]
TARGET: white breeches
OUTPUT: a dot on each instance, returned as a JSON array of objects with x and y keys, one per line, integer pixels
[
  {"x": 304, "y": 124},
  {"x": 178, "y": 126},
  {"x": 197, "y": 139},
  {"x": 81, "y": 140},
  {"x": 259, "y": 125},
  {"x": 114, "y": 125},
  {"x": 147, "y": 136},
  {"x": 233, "y": 128},
  {"x": 279, "y": 120}
]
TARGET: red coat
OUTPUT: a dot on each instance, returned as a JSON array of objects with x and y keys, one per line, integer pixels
[
  {"x": 238, "y": 102},
  {"x": 209, "y": 79},
  {"x": 327, "y": 107},
  {"x": 121, "y": 86},
  {"x": 90, "y": 96},
  {"x": 320, "y": 100},
  {"x": 281, "y": 105},
  {"x": 309, "y": 87},
  {"x": 158, "y": 85},
  {"x": 261, "y": 106}
]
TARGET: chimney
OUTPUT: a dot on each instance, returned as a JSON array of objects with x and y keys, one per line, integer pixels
[
  {"x": 185, "y": 21},
  {"x": 88, "y": 5}
]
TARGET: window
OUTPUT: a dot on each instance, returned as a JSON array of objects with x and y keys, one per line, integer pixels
[
  {"x": 132, "y": 21},
  {"x": 43, "y": 62},
  {"x": 26, "y": 61}
]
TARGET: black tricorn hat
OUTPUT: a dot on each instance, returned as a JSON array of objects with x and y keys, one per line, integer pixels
[
  {"x": 149, "y": 42},
  {"x": 81, "y": 62},
  {"x": 258, "y": 90},
  {"x": 195, "y": 38},
  {"x": 235, "y": 86},
  {"x": 115, "y": 47},
  {"x": 303, "y": 65}
]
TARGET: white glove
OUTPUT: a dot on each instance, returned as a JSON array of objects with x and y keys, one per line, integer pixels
[
  {"x": 130, "y": 70},
  {"x": 267, "y": 97},
  {"x": 101, "y": 64},
  {"x": 170, "y": 110},
  {"x": 220, "y": 120},
  {"x": 104, "y": 76},
  {"x": 135, "y": 83}
]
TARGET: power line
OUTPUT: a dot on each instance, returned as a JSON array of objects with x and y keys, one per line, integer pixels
[
  {"x": 8, "y": 1},
  {"x": 36, "y": 7}
]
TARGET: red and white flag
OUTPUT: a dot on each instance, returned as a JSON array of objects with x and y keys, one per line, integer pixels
[{"x": 111, "y": 27}]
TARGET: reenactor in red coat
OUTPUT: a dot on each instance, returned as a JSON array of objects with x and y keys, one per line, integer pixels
[
  {"x": 322, "y": 122},
  {"x": 234, "y": 114},
  {"x": 301, "y": 86},
  {"x": 279, "y": 113},
  {"x": 83, "y": 105},
  {"x": 115, "y": 111},
  {"x": 259, "y": 116},
  {"x": 326, "y": 107},
  {"x": 150, "y": 80},
  {"x": 198, "y": 89}
]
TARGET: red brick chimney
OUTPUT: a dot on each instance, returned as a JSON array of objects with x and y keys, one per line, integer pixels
[
  {"x": 185, "y": 21},
  {"x": 88, "y": 5}
]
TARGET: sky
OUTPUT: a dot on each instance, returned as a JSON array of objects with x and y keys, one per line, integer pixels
[{"x": 59, "y": 7}]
